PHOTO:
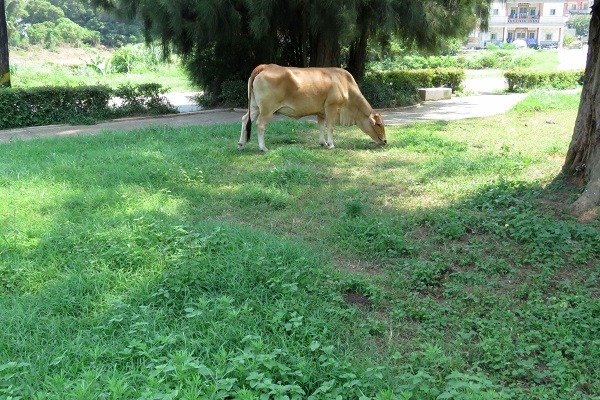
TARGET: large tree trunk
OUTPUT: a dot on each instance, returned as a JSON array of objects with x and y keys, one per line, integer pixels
[
  {"x": 325, "y": 49},
  {"x": 583, "y": 157},
  {"x": 4, "y": 64},
  {"x": 357, "y": 59}
]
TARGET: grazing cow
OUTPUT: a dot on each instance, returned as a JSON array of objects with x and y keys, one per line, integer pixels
[{"x": 329, "y": 93}]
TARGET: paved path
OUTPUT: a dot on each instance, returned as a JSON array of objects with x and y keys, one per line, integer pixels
[{"x": 446, "y": 110}]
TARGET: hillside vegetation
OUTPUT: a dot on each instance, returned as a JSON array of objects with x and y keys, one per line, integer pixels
[{"x": 163, "y": 263}]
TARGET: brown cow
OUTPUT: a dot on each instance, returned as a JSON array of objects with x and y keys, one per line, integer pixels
[{"x": 329, "y": 93}]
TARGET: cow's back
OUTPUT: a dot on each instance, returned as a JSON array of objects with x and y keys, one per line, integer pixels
[{"x": 298, "y": 92}]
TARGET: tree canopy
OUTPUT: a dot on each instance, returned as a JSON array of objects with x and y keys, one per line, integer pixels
[
  {"x": 33, "y": 18},
  {"x": 222, "y": 40}
]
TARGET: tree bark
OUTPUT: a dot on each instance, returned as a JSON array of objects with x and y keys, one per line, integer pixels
[
  {"x": 583, "y": 157},
  {"x": 357, "y": 59},
  {"x": 4, "y": 64},
  {"x": 325, "y": 49}
]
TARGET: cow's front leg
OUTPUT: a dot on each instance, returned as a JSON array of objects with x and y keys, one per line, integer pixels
[
  {"x": 321, "y": 122},
  {"x": 330, "y": 135},
  {"x": 331, "y": 114}
]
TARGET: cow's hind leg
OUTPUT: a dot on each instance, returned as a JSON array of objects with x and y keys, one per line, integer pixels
[
  {"x": 261, "y": 124},
  {"x": 251, "y": 115},
  {"x": 246, "y": 127}
]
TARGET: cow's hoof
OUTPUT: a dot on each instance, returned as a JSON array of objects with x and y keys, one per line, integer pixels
[
  {"x": 330, "y": 146},
  {"x": 263, "y": 150}
]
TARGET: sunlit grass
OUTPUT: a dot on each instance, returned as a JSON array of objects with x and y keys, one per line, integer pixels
[
  {"x": 165, "y": 263},
  {"x": 71, "y": 67}
]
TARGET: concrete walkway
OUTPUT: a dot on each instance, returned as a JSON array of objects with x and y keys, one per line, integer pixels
[{"x": 445, "y": 110}]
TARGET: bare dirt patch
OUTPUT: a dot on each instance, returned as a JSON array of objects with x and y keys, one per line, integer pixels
[
  {"x": 63, "y": 56},
  {"x": 358, "y": 299}
]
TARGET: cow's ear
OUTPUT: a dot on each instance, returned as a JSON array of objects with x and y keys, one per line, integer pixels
[{"x": 372, "y": 119}]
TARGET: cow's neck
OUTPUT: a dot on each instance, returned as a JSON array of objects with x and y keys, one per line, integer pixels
[{"x": 361, "y": 104}]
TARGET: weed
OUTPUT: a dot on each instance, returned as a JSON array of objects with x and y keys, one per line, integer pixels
[{"x": 162, "y": 263}]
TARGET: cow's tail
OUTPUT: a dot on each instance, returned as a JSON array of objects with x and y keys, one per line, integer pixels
[{"x": 253, "y": 76}]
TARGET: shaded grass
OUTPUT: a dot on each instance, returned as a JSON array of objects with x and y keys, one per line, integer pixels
[{"x": 163, "y": 263}]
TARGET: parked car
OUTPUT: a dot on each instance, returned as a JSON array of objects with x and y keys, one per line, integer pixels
[
  {"x": 577, "y": 44},
  {"x": 547, "y": 44},
  {"x": 492, "y": 41},
  {"x": 519, "y": 44}
]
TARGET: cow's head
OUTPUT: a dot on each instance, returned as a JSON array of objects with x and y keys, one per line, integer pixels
[{"x": 374, "y": 127}]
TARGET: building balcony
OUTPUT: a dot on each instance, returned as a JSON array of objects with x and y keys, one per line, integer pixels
[
  {"x": 523, "y": 20},
  {"x": 497, "y": 21}
]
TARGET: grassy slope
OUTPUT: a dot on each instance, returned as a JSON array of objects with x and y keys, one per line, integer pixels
[
  {"x": 69, "y": 66},
  {"x": 163, "y": 263}
]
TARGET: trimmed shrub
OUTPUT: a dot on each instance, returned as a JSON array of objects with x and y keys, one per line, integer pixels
[
  {"x": 382, "y": 94},
  {"x": 523, "y": 81},
  {"x": 381, "y": 89},
  {"x": 77, "y": 105},
  {"x": 52, "y": 105},
  {"x": 399, "y": 88}
]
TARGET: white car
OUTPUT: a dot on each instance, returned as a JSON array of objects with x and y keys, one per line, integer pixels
[{"x": 519, "y": 44}]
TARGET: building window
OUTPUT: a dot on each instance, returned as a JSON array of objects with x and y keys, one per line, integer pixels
[
  {"x": 532, "y": 12},
  {"x": 531, "y": 35},
  {"x": 548, "y": 36},
  {"x": 553, "y": 11},
  {"x": 495, "y": 11},
  {"x": 520, "y": 35},
  {"x": 522, "y": 12},
  {"x": 494, "y": 36}
]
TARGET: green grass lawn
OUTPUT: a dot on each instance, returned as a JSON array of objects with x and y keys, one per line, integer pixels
[
  {"x": 72, "y": 66},
  {"x": 165, "y": 264}
]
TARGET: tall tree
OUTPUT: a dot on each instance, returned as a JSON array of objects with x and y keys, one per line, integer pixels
[
  {"x": 583, "y": 157},
  {"x": 4, "y": 63},
  {"x": 225, "y": 39}
]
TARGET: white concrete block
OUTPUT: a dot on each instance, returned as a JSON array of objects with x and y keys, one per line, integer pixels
[{"x": 427, "y": 94}]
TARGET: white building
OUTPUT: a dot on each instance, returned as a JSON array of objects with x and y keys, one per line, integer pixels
[{"x": 539, "y": 22}]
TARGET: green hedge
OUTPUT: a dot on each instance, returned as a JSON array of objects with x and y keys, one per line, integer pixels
[
  {"x": 400, "y": 87},
  {"x": 78, "y": 105},
  {"x": 522, "y": 81},
  {"x": 381, "y": 89},
  {"x": 423, "y": 78}
]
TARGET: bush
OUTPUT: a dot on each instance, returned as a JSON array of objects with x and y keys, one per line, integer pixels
[
  {"x": 80, "y": 104},
  {"x": 235, "y": 93},
  {"x": 382, "y": 94},
  {"x": 399, "y": 88},
  {"x": 50, "y": 34},
  {"x": 146, "y": 98},
  {"x": 522, "y": 81},
  {"x": 414, "y": 61},
  {"x": 381, "y": 89},
  {"x": 129, "y": 58},
  {"x": 52, "y": 105}
]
